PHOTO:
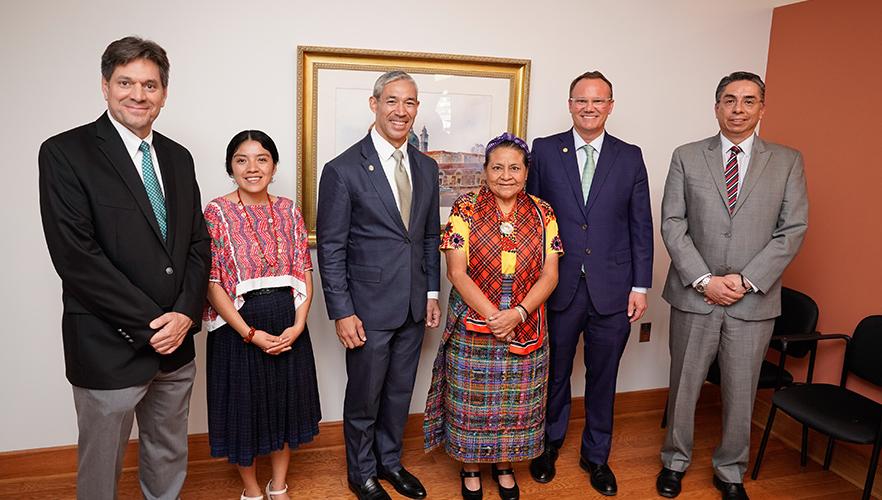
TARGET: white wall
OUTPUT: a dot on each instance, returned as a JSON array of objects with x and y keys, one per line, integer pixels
[{"x": 234, "y": 67}]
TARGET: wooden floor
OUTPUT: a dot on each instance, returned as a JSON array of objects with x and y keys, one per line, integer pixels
[{"x": 321, "y": 473}]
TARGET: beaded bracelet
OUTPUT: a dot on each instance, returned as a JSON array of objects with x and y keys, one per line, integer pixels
[
  {"x": 522, "y": 311},
  {"x": 247, "y": 339}
]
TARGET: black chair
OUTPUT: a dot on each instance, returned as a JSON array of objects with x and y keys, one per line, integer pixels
[
  {"x": 799, "y": 315},
  {"x": 834, "y": 410}
]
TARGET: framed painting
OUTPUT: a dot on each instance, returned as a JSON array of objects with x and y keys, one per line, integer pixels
[{"x": 464, "y": 102}]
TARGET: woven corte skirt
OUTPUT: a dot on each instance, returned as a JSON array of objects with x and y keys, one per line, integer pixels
[
  {"x": 494, "y": 405},
  {"x": 258, "y": 402}
]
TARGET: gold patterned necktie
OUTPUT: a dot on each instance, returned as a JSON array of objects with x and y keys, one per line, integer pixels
[{"x": 403, "y": 186}]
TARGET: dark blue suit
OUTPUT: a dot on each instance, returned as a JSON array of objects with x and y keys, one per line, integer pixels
[
  {"x": 373, "y": 267},
  {"x": 610, "y": 237}
]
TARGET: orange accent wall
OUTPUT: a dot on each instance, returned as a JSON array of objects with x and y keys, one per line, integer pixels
[{"x": 824, "y": 97}]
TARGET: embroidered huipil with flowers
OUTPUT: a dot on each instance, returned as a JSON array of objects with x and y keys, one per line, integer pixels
[
  {"x": 239, "y": 251},
  {"x": 505, "y": 255}
]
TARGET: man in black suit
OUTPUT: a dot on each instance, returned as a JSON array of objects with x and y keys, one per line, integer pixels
[
  {"x": 123, "y": 222},
  {"x": 378, "y": 235}
]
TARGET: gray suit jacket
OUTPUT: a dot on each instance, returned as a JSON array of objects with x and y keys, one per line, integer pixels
[
  {"x": 758, "y": 240},
  {"x": 369, "y": 263}
]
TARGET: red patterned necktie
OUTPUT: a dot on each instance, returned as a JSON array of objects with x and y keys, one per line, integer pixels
[{"x": 731, "y": 175}]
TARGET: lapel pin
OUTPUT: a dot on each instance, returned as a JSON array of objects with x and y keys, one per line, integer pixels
[
  {"x": 370, "y": 168},
  {"x": 566, "y": 150}
]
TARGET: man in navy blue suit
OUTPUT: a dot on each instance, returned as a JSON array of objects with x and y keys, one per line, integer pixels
[
  {"x": 378, "y": 229},
  {"x": 598, "y": 187}
]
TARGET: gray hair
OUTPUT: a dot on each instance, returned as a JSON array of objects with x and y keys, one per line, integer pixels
[
  {"x": 739, "y": 76},
  {"x": 389, "y": 77},
  {"x": 130, "y": 48}
]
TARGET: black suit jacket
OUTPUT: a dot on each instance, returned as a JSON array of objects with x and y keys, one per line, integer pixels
[
  {"x": 370, "y": 264},
  {"x": 117, "y": 272}
]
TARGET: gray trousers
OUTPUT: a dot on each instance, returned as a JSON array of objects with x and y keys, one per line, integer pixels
[
  {"x": 739, "y": 347},
  {"x": 104, "y": 418}
]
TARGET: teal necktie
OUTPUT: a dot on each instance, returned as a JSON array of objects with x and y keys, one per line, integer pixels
[
  {"x": 587, "y": 171},
  {"x": 154, "y": 193}
]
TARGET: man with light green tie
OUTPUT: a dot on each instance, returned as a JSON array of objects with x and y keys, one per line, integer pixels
[{"x": 597, "y": 185}]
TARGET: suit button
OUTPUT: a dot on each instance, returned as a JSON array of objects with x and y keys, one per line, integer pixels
[
  {"x": 169, "y": 271},
  {"x": 584, "y": 227},
  {"x": 131, "y": 341},
  {"x": 587, "y": 251}
]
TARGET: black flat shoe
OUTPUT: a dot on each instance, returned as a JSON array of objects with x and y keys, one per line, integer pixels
[
  {"x": 513, "y": 493},
  {"x": 602, "y": 478},
  {"x": 542, "y": 467},
  {"x": 404, "y": 482},
  {"x": 730, "y": 491},
  {"x": 668, "y": 482},
  {"x": 468, "y": 494},
  {"x": 370, "y": 490}
]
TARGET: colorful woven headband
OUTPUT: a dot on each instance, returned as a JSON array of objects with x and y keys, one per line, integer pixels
[{"x": 507, "y": 137}]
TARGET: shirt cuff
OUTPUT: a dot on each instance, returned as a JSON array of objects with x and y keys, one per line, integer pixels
[
  {"x": 752, "y": 286},
  {"x": 697, "y": 281},
  {"x": 432, "y": 295},
  {"x": 639, "y": 289}
]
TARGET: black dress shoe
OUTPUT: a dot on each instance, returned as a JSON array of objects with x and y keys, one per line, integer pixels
[
  {"x": 602, "y": 478},
  {"x": 542, "y": 467},
  {"x": 468, "y": 494},
  {"x": 370, "y": 490},
  {"x": 405, "y": 483},
  {"x": 668, "y": 482},
  {"x": 730, "y": 491},
  {"x": 513, "y": 493}
]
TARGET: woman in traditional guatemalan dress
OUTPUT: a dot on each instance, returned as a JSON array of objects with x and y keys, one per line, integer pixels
[
  {"x": 262, "y": 391},
  {"x": 488, "y": 393}
]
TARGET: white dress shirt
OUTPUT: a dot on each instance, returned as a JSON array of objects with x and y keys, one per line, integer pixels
[
  {"x": 743, "y": 162},
  {"x": 133, "y": 147},
  {"x": 743, "y": 157},
  {"x": 581, "y": 156},
  {"x": 385, "y": 151}
]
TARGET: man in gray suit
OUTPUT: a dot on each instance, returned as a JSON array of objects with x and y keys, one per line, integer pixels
[
  {"x": 733, "y": 217},
  {"x": 378, "y": 235}
]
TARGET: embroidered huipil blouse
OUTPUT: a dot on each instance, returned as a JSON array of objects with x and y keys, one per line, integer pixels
[
  {"x": 242, "y": 253},
  {"x": 505, "y": 255}
]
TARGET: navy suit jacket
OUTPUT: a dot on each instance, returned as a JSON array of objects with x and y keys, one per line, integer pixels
[
  {"x": 370, "y": 264},
  {"x": 117, "y": 272},
  {"x": 611, "y": 234}
]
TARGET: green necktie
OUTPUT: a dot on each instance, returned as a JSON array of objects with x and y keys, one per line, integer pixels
[
  {"x": 587, "y": 171},
  {"x": 154, "y": 193}
]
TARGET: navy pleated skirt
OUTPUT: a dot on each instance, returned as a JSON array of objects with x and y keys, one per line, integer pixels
[{"x": 258, "y": 402}]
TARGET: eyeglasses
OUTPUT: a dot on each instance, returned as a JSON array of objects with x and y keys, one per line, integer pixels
[
  {"x": 747, "y": 102},
  {"x": 597, "y": 102}
]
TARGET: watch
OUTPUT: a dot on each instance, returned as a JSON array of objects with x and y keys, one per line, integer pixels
[{"x": 702, "y": 285}]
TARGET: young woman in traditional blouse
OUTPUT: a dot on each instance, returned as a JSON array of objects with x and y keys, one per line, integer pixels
[{"x": 262, "y": 391}]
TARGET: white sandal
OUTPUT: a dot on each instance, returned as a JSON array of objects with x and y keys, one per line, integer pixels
[
  {"x": 270, "y": 493},
  {"x": 243, "y": 497}
]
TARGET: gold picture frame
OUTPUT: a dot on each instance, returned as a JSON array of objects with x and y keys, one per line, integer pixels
[{"x": 477, "y": 83}]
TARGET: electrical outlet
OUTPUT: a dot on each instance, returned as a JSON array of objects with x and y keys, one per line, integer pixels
[{"x": 645, "y": 329}]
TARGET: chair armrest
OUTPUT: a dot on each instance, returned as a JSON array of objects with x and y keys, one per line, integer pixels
[{"x": 808, "y": 337}]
